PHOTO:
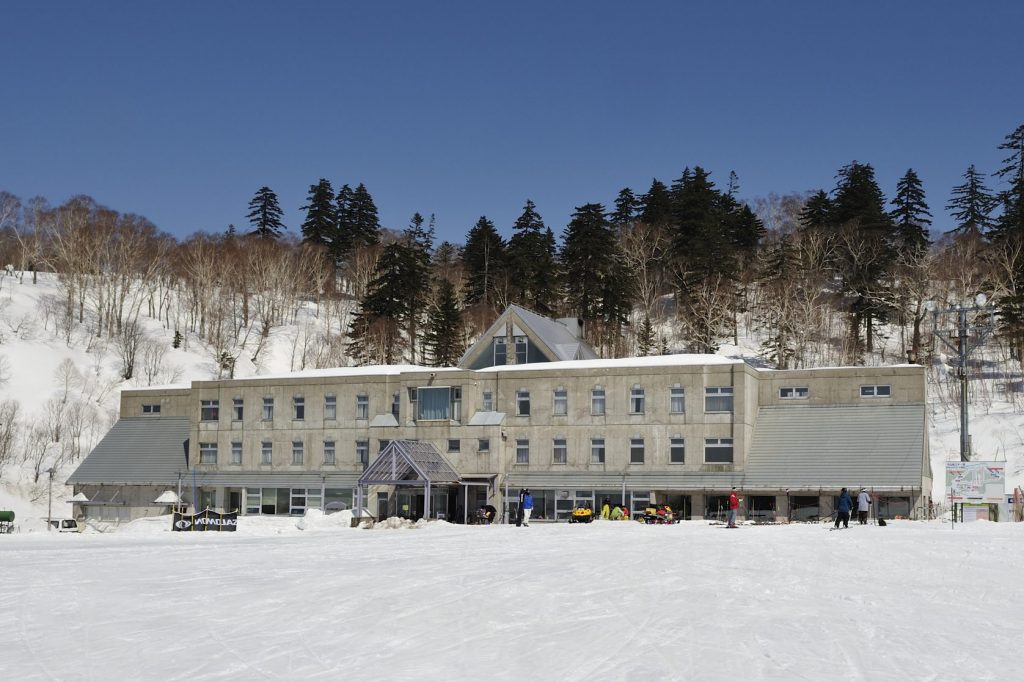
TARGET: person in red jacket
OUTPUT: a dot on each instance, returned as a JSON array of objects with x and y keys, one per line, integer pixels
[{"x": 734, "y": 505}]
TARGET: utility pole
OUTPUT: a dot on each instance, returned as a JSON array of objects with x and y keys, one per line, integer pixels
[
  {"x": 964, "y": 346},
  {"x": 49, "y": 502}
]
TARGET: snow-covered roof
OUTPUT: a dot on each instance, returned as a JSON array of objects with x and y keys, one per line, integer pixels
[{"x": 608, "y": 363}]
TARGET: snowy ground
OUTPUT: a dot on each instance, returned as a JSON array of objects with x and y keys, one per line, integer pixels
[{"x": 605, "y": 601}]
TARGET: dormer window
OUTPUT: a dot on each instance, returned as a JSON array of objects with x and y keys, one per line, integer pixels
[{"x": 522, "y": 350}]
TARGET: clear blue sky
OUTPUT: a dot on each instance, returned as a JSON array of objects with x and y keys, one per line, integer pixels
[{"x": 179, "y": 111}]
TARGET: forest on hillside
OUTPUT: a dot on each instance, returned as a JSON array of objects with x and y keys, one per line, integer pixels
[{"x": 836, "y": 276}]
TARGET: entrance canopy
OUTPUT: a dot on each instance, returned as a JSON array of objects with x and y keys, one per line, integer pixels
[{"x": 408, "y": 463}]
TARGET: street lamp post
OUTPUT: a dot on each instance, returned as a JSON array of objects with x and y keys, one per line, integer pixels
[{"x": 968, "y": 338}]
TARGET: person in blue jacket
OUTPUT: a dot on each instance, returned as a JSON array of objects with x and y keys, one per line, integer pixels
[
  {"x": 527, "y": 507},
  {"x": 843, "y": 510}
]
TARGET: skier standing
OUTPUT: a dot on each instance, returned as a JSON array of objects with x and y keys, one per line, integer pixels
[
  {"x": 527, "y": 506},
  {"x": 734, "y": 505},
  {"x": 863, "y": 504},
  {"x": 843, "y": 509}
]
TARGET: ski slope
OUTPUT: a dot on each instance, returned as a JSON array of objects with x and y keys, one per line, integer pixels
[{"x": 602, "y": 601}]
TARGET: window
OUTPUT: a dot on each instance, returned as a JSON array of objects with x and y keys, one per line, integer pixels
[
  {"x": 266, "y": 452},
  {"x": 500, "y": 355},
  {"x": 523, "y": 402},
  {"x": 237, "y": 409},
  {"x": 793, "y": 392},
  {"x": 362, "y": 406},
  {"x": 522, "y": 451},
  {"x": 330, "y": 407},
  {"x": 597, "y": 450},
  {"x": 676, "y": 400},
  {"x": 636, "y": 450},
  {"x": 207, "y": 453},
  {"x": 383, "y": 443},
  {"x": 363, "y": 451},
  {"x": 298, "y": 408},
  {"x": 396, "y": 405},
  {"x": 454, "y": 445},
  {"x": 303, "y": 499},
  {"x": 297, "y": 452},
  {"x": 561, "y": 407},
  {"x": 880, "y": 391},
  {"x": 488, "y": 401},
  {"x": 236, "y": 452},
  {"x": 252, "y": 501},
  {"x": 677, "y": 450},
  {"x": 483, "y": 444},
  {"x": 718, "y": 450},
  {"x": 560, "y": 452},
  {"x": 636, "y": 400},
  {"x": 268, "y": 409},
  {"x": 718, "y": 399},
  {"x": 209, "y": 410},
  {"x": 150, "y": 409},
  {"x": 329, "y": 453},
  {"x": 597, "y": 401},
  {"x": 522, "y": 348},
  {"x": 439, "y": 403}
]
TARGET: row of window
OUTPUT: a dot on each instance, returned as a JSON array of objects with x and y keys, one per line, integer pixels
[
  {"x": 208, "y": 452},
  {"x": 716, "y": 451},
  {"x": 444, "y": 403}
]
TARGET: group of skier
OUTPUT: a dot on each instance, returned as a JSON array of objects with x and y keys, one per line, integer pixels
[{"x": 845, "y": 506}]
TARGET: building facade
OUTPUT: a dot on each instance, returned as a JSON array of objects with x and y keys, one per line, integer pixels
[{"x": 528, "y": 407}]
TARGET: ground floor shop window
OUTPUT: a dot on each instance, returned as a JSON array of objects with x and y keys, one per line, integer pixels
[
  {"x": 761, "y": 508},
  {"x": 716, "y": 507},
  {"x": 893, "y": 507},
  {"x": 303, "y": 499},
  {"x": 804, "y": 508}
]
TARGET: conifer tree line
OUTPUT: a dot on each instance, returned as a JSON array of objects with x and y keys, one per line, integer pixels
[{"x": 836, "y": 275}]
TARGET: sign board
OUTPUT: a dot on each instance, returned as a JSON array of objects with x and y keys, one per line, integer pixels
[
  {"x": 205, "y": 520},
  {"x": 978, "y": 482}
]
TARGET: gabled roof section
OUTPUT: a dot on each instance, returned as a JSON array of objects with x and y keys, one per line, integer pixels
[
  {"x": 882, "y": 446},
  {"x": 406, "y": 462},
  {"x": 138, "y": 451},
  {"x": 553, "y": 337}
]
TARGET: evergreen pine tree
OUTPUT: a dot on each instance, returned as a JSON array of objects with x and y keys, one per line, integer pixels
[
  {"x": 265, "y": 214},
  {"x": 357, "y": 222},
  {"x": 375, "y": 335},
  {"x": 627, "y": 206},
  {"x": 910, "y": 214},
  {"x": 418, "y": 242},
  {"x": 483, "y": 259},
  {"x": 442, "y": 337},
  {"x": 365, "y": 223},
  {"x": 321, "y": 218},
  {"x": 817, "y": 211},
  {"x": 1011, "y": 221},
  {"x": 868, "y": 251},
  {"x": 971, "y": 205},
  {"x": 588, "y": 244},
  {"x": 656, "y": 205},
  {"x": 531, "y": 260},
  {"x": 645, "y": 341}
]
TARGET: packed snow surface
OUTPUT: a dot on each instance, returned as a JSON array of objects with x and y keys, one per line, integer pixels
[{"x": 315, "y": 599}]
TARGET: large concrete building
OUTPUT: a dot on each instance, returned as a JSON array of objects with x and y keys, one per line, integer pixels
[{"x": 529, "y": 405}]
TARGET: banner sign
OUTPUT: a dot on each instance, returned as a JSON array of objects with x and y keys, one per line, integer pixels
[
  {"x": 976, "y": 481},
  {"x": 205, "y": 520}
]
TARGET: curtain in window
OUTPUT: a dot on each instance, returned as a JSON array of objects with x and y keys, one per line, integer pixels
[{"x": 433, "y": 403}]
